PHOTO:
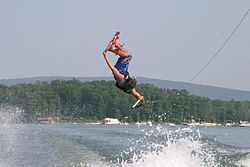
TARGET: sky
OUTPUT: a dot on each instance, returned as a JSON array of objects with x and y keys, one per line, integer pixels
[{"x": 169, "y": 39}]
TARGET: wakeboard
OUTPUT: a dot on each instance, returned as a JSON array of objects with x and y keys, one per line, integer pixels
[{"x": 113, "y": 40}]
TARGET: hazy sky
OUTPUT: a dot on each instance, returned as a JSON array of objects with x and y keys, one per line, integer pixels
[{"x": 169, "y": 39}]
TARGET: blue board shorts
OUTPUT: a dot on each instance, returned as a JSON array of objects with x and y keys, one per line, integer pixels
[{"x": 123, "y": 63}]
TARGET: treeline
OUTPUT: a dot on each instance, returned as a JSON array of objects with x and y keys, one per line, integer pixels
[{"x": 100, "y": 99}]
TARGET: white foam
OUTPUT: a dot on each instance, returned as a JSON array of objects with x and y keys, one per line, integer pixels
[
  {"x": 10, "y": 114},
  {"x": 245, "y": 162},
  {"x": 9, "y": 130},
  {"x": 181, "y": 148},
  {"x": 9, "y": 133}
]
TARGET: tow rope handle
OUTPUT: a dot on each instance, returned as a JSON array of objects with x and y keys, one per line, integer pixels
[{"x": 136, "y": 104}]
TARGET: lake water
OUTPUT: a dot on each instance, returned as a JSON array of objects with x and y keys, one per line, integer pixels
[{"x": 64, "y": 145}]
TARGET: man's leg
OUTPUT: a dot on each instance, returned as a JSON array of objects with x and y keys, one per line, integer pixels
[
  {"x": 117, "y": 48},
  {"x": 113, "y": 42}
]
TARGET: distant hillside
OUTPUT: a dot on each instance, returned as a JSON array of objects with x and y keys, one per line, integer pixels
[
  {"x": 201, "y": 90},
  {"x": 32, "y": 80}
]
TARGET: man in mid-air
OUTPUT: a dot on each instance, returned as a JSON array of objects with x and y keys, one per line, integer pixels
[{"x": 120, "y": 69}]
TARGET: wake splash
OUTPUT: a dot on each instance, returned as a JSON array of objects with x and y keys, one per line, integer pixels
[
  {"x": 162, "y": 147},
  {"x": 9, "y": 128},
  {"x": 245, "y": 162},
  {"x": 10, "y": 115}
]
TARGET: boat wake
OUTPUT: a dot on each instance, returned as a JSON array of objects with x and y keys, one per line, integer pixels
[
  {"x": 162, "y": 147},
  {"x": 245, "y": 162},
  {"x": 9, "y": 132}
]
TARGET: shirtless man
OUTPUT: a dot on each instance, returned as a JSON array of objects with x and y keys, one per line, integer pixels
[{"x": 120, "y": 69}]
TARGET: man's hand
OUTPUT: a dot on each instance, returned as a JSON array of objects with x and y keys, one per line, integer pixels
[{"x": 105, "y": 53}]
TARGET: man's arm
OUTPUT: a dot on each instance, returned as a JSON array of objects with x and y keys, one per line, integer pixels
[{"x": 116, "y": 73}]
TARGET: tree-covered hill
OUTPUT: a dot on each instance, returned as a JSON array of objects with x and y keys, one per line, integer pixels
[
  {"x": 211, "y": 92},
  {"x": 100, "y": 99}
]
